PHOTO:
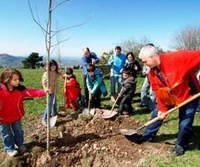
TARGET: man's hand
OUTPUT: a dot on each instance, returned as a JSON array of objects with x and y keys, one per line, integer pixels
[
  {"x": 119, "y": 94},
  {"x": 162, "y": 115}
]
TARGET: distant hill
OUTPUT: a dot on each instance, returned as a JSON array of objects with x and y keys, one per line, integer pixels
[
  {"x": 69, "y": 61},
  {"x": 7, "y": 60}
]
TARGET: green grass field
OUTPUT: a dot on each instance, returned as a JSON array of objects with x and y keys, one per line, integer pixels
[{"x": 167, "y": 133}]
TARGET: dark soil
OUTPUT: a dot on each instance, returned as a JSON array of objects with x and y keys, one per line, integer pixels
[{"x": 82, "y": 141}]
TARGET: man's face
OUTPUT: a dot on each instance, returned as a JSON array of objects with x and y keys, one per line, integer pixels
[
  {"x": 117, "y": 51},
  {"x": 86, "y": 52},
  {"x": 149, "y": 61}
]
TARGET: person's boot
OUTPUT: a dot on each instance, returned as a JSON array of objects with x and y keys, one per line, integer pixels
[{"x": 178, "y": 150}]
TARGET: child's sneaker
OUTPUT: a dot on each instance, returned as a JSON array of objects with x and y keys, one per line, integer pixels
[
  {"x": 12, "y": 153},
  {"x": 22, "y": 149}
]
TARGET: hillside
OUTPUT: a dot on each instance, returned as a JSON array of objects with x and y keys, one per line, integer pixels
[{"x": 7, "y": 60}]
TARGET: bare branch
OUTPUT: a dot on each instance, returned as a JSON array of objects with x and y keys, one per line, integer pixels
[
  {"x": 188, "y": 38},
  {"x": 29, "y": 4},
  {"x": 74, "y": 26},
  {"x": 58, "y": 43},
  {"x": 58, "y": 4}
]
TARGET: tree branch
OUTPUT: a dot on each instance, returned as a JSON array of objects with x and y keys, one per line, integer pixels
[
  {"x": 29, "y": 4},
  {"x": 58, "y": 4},
  {"x": 74, "y": 26}
]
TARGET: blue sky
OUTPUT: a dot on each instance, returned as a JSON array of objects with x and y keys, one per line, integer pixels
[{"x": 110, "y": 22}]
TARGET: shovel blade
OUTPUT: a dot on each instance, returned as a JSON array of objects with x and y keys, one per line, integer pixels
[
  {"x": 92, "y": 111},
  {"x": 128, "y": 132},
  {"x": 109, "y": 114},
  {"x": 53, "y": 121}
]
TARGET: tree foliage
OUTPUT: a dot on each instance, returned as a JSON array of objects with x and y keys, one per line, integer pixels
[
  {"x": 130, "y": 45},
  {"x": 188, "y": 38},
  {"x": 33, "y": 61}
]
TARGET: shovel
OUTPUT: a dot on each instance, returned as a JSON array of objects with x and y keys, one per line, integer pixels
[
  {"x": 129, "y": 132},
  {"x": 89, "y": 110},
  {"x": 111, "y": 113}
]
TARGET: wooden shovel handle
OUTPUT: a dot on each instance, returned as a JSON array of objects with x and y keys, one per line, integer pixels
[
  {"x": 173, "y": 109},
  {"x": 113, "y": 106}
]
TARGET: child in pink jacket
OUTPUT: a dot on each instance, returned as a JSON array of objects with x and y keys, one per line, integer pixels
[{"x": 12, "y": 95}]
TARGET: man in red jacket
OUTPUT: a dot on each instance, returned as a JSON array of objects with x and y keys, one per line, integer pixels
[{"x": 173, "y": 80}]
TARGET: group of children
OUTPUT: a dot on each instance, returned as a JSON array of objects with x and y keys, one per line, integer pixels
[{"x": 12, "y": 95}]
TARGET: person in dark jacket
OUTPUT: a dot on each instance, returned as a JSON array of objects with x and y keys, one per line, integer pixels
[
  {"x": 127, "y": 92},
  {"x": 132, "y": 64}
]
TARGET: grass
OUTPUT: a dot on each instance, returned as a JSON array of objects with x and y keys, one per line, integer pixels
[{"x": 167, "y": 132}]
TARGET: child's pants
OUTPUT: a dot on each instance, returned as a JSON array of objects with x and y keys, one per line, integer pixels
[
  {"x": 12, "y": 134},
  {"x": 125, "y": 104},
  {"x": 52, "y": 107}
]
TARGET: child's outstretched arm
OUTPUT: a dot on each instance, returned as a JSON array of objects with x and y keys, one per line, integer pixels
[{"x": 34, "y": 92}]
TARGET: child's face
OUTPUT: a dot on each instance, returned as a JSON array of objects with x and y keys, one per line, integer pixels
[
  {"x": 68, "y": 75},
  {"x": 130, "y": 58},
  {"x": 92, "y": 74},
  {"x": 53, "y": 68},
  {"x": 125, "y": 76},
  {"x": 15, "y": 80}
]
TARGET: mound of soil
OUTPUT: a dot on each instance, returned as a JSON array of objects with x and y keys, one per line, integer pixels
[{"x": 83, "y": 141}]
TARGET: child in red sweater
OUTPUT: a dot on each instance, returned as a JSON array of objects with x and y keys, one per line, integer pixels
[
  {"x": 12, "y": 95},
  {"x": 72, "y": 90}
]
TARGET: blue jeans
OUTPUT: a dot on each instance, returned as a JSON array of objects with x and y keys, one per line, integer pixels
[
  {"x": 151, "y": 130},
  {"x": 52, "y": 107},
  {"x": 186, "y": 117},
  {"x": 12, "y": 134},
  {"x": 113, "y": 81}
]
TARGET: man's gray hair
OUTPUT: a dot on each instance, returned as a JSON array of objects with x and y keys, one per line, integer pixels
[{"x": 148, "y": 51}]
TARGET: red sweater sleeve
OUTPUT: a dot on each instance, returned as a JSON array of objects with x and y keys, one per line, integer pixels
[{"x": 34, "y": 93}]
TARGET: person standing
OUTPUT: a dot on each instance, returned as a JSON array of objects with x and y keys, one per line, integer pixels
[
  {"x": 117, "y": 62},
  {"x": 147, "y": 95},
  {"x": 173, "y": 81},
  {"x": 53, "y": 88},
  {"x": 132, "y": 64},
  {"x": 12, "y": 95},
  {"x": 87, "y": 58},
  {"x": 72, "y": 90},
  {"x": 127, "y": 93}
]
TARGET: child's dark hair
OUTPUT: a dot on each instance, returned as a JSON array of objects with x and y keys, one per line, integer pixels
[
  {"x": 126, "y": 71},
  {"x": 130, "y": 53},
  {"x": 90, "y": 67},
  {"x": 7, "y": 75},
  {"x": 69, "y": 70},
  {"x": 53, "y": 63}
]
